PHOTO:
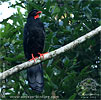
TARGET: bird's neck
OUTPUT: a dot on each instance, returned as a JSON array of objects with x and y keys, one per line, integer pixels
[{"x": 31, "y": 20}]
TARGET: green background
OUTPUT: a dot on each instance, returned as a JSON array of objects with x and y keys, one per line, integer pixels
[{"x": 72, "y": 75}]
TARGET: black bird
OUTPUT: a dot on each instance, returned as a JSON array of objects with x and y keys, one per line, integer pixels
[{"x": 34, "y": 36}]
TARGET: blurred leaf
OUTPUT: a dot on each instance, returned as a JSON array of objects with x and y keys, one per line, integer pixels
[
  {"x": 72, "y": 97},
  {"x": 87, "y": 12}
]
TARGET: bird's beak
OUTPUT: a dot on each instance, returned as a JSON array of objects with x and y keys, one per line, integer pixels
[{"x": 39, "y": 12}]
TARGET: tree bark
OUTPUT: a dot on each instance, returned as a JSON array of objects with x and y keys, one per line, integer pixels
[{"x": 49, "y": 55}]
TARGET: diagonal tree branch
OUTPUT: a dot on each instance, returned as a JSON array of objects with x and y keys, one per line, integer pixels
[{"x": 49, "y": 55}]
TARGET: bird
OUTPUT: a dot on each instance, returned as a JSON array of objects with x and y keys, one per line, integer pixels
[{"x": 33, "y": 43}]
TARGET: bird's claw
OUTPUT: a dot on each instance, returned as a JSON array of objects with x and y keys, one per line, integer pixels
[
  {"x": 42, "y": 54},
  {"x": 33, "y": 58}
]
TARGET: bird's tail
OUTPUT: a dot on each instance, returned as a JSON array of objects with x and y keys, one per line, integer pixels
[{"x": 35, "y": 77}]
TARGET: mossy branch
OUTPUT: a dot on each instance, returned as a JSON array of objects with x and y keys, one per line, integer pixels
[{"x": 49, "y": 55}]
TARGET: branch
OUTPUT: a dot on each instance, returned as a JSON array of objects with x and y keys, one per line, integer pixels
[{"x": 49, "y": 55}]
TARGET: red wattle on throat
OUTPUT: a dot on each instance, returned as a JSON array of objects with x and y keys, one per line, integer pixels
[{"x": 37, "y": 16}]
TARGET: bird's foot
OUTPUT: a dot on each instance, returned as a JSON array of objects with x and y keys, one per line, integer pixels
[
  {"x": 33, "y": 58},
  {"x": 42, "y": 54}
]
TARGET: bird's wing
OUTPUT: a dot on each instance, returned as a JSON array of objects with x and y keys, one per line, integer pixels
[{"x": 33, "y": 41}]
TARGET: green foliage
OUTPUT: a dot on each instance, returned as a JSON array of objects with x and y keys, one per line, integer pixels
[{"x": 65, "y": 21}]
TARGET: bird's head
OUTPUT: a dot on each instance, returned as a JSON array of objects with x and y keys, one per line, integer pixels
[{"x": 35, "y": 13}]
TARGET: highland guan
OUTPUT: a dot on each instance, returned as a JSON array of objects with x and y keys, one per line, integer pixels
[{"x": 34, "y": 36}]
